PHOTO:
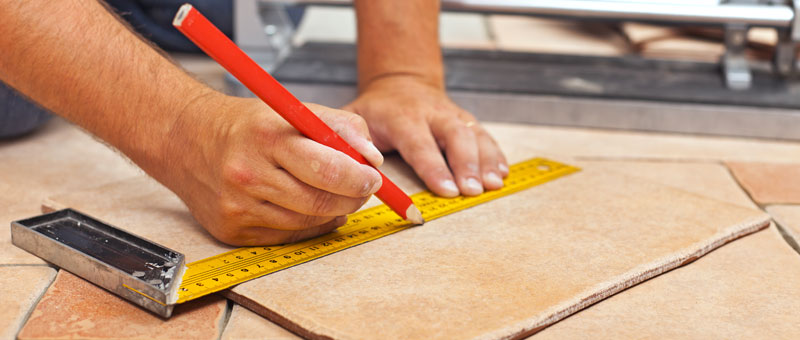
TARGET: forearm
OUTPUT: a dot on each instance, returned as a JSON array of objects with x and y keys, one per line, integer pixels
[
  {"x": 399, "y": 38},
  {"x": 76, "y": 59}
]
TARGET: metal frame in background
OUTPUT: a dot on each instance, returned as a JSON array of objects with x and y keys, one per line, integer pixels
[{"x": 667, "y": 107}]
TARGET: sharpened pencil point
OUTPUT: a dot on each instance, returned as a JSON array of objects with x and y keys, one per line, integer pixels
[{"x": 413, "y": 215}]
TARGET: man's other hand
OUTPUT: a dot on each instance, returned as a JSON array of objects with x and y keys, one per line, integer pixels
[{"x": 420, "y": 121}]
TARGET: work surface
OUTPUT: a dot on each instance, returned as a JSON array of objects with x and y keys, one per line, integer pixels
[{"x": 749, "y": 287}]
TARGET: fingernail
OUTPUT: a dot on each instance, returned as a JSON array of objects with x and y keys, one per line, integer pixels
[
  {"x": 503, "y": 168},
  {"x": 449, "y": 187},
  {"x": 373, "y": 147},
  {"x": 492, "y": 180},
  {"x": 474, "y": 186},
  {"x": 378, "y": 154}
]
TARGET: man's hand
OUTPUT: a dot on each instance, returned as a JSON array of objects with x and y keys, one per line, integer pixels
[
  {"x": 420, "y": 121},
  {"x": 251, "y": 179}
]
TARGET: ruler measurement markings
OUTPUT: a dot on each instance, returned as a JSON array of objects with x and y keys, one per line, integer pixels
[
  {"x": 240, "y": 265},
  {"x": 260, "y": 258}
]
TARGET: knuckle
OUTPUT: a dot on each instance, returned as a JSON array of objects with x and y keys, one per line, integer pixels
[
  {"x": 231, "y": 210},
  {"x": 357, "y": 122},
  {"x": 238, "y": 173},
  {"x": 322, "y": 204},
  {"x": 331, "y": 171},
  {"x": 308, "y": 221}
]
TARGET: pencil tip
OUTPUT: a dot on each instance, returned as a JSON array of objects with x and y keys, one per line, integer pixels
[{"x": 413, "y": 215}]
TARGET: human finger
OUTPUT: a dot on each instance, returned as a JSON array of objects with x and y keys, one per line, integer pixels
[
  {"x": 254, "y": 236},
  {"x": 281, "y": 188},
  {"x": 461, "y": 147},
  {"x": 421, "y": 151},
  {"x": 325, "y": 168},
  {"x": 491, "y": 159}
]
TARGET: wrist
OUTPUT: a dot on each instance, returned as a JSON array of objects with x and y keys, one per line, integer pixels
[
  {"x": 401, "y": 80},
  {"x": 176, "y": 147}
]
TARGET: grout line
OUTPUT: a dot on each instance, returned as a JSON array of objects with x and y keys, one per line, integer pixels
[
  {"x": 225, "y": 320},
  {"x": 27, "y": 265},
  {"x": 763, "y": 207},
  {"x": 35, "y": 303},
  {"x": 787, "y": 236},
  {"x": 781, "y": 229}
]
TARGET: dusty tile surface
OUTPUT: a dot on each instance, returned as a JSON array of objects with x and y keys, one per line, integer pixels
[
  {"x": 746, "y": 289},
  {"x": 529, "y": 34},
  {"x": 55, "y": 159},
  {"x": 20, "y": 288},
  {"x": 707, "y": 179},
  {"x": 769, "y": 183},
  {"x": 76, "y": 309},
  {"x": 145, "y": 208},
  {"x": 590, "y": 143},
  {"x": 788, "y": 219},
  {"x": 246, "y": 325},
  {"x": 447, "y": 279},
  {"x": 749, "y": 289}
]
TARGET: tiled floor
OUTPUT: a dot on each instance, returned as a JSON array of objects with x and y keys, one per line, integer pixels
[{"x": 746, "y": 289}]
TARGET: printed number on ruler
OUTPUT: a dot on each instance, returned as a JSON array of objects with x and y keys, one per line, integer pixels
[{"x": 229, "y": 269}]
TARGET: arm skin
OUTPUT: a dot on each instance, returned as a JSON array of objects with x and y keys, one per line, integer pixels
[
  {"x": 403, "y": 98},
  {"x": 247, "y": 176}
]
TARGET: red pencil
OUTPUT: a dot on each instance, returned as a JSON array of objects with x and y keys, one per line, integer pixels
[{"x": 214, "y": 43}]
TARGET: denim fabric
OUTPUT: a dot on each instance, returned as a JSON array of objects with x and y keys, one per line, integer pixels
[{"x": 18, "y": 115}]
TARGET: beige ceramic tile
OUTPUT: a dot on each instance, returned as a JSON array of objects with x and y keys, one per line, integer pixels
[
  {"x": 529, "y": 34},
  {"x": 708, "y": 179},
  {"x": 76, "y": 309},
  {"x": 20, "y": 288},
  {"x": 769, "y": 183},
  {"x": 590, "y": 143},
  {"x": 386, "y": 272},
  {"x": 670, "y": 42},
  {"x": 246, "y": 325},
  {"x": 58, "y": 158},
  {"x": 749, "y": 289},
  {"x": 788, "y": 219},
  {"x": 743, "y": 290},
  {"x": 583, "y": 237},
  {"x": 145, "y": 208}
]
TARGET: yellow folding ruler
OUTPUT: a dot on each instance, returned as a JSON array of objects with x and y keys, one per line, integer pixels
[{"x": 234, "y": 267}]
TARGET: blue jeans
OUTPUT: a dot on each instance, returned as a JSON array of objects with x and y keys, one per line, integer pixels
[{"x": 18, "y": 115}]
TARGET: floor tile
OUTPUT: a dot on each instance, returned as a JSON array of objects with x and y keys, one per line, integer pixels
[
  {"x": 58, "y": 158},
  {"x": 788, "y": 219},
  {"x": 530, "y": 34},
  {"x": 610, "y": 144},
  {"x": 749, "y": 289},
  {"x": 708, "y": 179},
  {"x": 769, "y": 183},
  {"x": 76, "y": 309},
  {"x": 20, "y": 288},
  {"x": 246, "y": 325},
  {"x": 704, "y": 299},
  {"x": 448, "y": 279},
  {"x": 665, "y": 42}
]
